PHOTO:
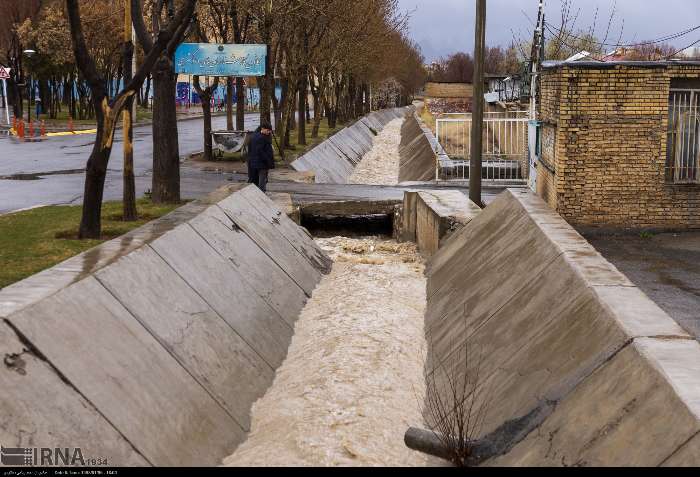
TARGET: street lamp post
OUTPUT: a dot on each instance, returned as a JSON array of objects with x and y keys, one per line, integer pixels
[{"x": 29, "y": 54}]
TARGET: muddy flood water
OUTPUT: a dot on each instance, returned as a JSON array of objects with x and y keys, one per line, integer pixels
[
  {"x": 380, "y": 166},
  {"x": 353, "y": 380}
]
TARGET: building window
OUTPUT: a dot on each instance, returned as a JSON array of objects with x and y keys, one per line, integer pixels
[{"x": 683, "y": 144}]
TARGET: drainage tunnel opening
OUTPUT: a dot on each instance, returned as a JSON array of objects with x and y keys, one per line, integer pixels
[{"x": 349, "y": 225}]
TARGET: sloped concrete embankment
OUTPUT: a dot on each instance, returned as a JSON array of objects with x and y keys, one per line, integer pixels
[
  {"x": 151, "y": 348},
  {"x": 416, "y": 151},
  {"x": 334, "y": 160},
  {"x": 579, "y": 367}
]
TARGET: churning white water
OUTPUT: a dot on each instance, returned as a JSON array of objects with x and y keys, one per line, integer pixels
[
  {"x": 380, "y": 166},
  {"x": 353, "y": 380}
]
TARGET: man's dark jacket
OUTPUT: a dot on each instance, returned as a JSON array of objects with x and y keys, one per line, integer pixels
[{"x": 260, "y": 154}]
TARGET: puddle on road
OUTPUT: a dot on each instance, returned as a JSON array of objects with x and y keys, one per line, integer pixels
[
  {"x": 35, "y": 176},
  {"x": 353, "y": 382}
]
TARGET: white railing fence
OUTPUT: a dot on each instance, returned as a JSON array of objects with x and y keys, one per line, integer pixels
[{"x": 504, "y": 146}]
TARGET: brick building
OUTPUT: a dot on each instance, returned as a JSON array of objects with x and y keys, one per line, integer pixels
[{"x": 620, "y": 143}]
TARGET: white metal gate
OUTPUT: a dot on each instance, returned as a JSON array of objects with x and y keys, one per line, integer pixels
[
  {"x": 504, "y": 150},
  {"x": 683, "y": 146}
]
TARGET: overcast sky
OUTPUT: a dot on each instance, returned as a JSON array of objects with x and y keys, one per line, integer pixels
[{"x": 442, "y": 27}]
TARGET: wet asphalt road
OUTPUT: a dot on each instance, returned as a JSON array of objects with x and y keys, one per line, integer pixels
[
  {"x": 666, "y": 267},
  {"x": 53, "y": 168}
]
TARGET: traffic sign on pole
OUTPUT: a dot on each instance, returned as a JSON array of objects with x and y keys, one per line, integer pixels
[{"x": 4, "y": 76}]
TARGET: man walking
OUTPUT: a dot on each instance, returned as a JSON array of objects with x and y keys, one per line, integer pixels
[{"x": 261, "y": 157}]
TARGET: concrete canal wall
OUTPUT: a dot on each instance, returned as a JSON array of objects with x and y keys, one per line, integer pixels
[
  {"x": 579, "y": 367},
  {"x": 417, "y": 151},
  {"x": 151, "y": 348},
  {"x": 334, "y": 160}
]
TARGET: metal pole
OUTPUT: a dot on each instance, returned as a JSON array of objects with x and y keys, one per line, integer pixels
[
  {"x": 128, "y": 117},
  {"x": 477, "y": 104},
  {"x": 134, "y": 103},
  {"x": 7, "y": 107},
  {"x": 537, "y": 56},
  {"x": 29, "y": 97}
]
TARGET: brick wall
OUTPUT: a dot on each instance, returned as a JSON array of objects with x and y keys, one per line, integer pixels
[{"x": 604, "y": 146}]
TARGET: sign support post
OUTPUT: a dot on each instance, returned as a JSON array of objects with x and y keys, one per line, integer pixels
[
  {"x": 4, "y": 93},
  {"x": 4, "y": 76}
]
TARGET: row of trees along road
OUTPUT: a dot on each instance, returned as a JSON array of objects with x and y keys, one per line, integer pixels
[{"x": 340, "y": 53}]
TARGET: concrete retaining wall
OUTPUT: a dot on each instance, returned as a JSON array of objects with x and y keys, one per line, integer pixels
[
  {"x": 579, "y": 367},
  {"x": 429, "y": 218},
  {"x": 416, "y": 151},
  {"x": 151, "y": 348},
  {"x": 334, "y": 160}
]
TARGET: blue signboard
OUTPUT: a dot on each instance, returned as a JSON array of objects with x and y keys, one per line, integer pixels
[{"x": 210, "y": 59}]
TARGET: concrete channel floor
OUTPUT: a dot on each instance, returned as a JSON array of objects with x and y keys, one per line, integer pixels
[{"x": 666, "y": 267}]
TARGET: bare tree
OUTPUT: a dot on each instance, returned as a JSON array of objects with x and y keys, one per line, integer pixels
[
  {"x": 166, "y": 152},
  {"x": 106, "y": 110},
  {"x": 456, "y": 403},
  {"x": 13, "y": 13}
]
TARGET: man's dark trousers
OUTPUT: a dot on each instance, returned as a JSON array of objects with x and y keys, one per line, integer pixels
[
  {"x": 260, "y": 159},
  {"x": 259, "y": 178}
]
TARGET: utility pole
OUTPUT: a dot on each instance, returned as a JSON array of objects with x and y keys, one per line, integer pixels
[
  {"x": 536, "y": 58},
  {"x": 128, "y": 115},
  {"x": 477, "y": 105}
]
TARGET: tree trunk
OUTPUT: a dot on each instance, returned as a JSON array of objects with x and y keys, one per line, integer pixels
[
  {"x": 44, "y": 95},
  {"x": 91, "y": 223},
  {"x": 15, "y": 96},
  {"x": 301, "y": 137},
  {"x": 240, "y": 104},
  {"x": 166, "y": 154},
  {"x": 359, "y": 101},
  {"x": 129, "y": 212},
  {"x": 293, "y": 102},
  {"x": 278, "y": 112},
  {"x": 147, "y": 93},
  {"x": 72, "y": 105},
  {"x": 317, "y": 116},
  {"x": 267, "y": 82},
  {"x": 229, "y": 104},
  {"x": 287, "y": 107},
  {"x": 95, "y": 173},
  {"x": 206, "y": 111},
  {"x": 206, "y": 94}
]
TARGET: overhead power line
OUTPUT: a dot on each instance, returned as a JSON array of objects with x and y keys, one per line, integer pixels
[
  {"x": 668, "y": 57},
  {"x": 697, "y": 42},
  {"x": 559, "y": 31}
]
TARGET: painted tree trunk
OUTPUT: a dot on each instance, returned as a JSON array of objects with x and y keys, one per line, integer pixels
[{"x": 129, "y": 212}]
